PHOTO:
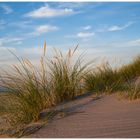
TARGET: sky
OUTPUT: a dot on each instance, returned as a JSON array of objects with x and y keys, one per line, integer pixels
[{"x": 105, "y": 30}]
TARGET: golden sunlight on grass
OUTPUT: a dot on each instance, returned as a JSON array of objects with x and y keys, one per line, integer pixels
[{"x": 30, "y": 90}]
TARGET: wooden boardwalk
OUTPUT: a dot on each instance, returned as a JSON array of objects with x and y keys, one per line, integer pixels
[{"x": 106, "y": 117}]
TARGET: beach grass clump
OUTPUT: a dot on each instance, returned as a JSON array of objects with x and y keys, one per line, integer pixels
[
  {"x": 28, "y": 91},
  {"x": 122, "y": 80},
  {"x": 132, "y": 90},
  {"x": 130, "y": 74},
  {"x": 32, "y": 89},
  {"x": 131, "y": 70},
  {"x": 103, "y": 79},
  {"x": 67, "y": 73}
]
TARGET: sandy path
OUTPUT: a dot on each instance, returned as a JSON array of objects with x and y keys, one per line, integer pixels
[{"x": 105, "y": 117}]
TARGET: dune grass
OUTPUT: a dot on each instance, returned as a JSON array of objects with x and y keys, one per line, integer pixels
[
  {"x": 31, "y": 90},
  {"x": 61, "y": 78},
  {"x": 131, "y": 90},
  {"x": 103, "y": 79},
  {"x": 131, "y": 77},
  {"x": 67, "y": 75},
  {"x": 27, "y": 90},
  {"x": 134, "y": 90},
  {"x": 106, "y": 79},
  {"x": 132, "y": 70}
]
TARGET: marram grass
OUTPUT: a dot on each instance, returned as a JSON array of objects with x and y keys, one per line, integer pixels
[
  {"x": 31, "y": 90},
  {"x": 61, "y": 78},
  {"x": 67, "y": 75},
  {"x": 27, "y": 88},
  {"x": 107, "y": 79},
  {"x": 103, "y": 79}
]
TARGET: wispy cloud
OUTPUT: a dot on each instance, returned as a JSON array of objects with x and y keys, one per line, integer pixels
[
  {"x": 46, "y": 28},
  {"x": 47, "y": 12},
  {"x": 43, "y": 29},
  {"x": 124, "y": 44},
  {"x": 36, "y": 31},
  {"x": 134, "y": 42},
  {"x": 82, "y": 35},
  {"x": 7, "y": 9},
  {"x": 9, "y": 39},
  {"x": 85, "y": 34},
  {"x": 114, "y": 28},
  {"x": 118, "y": 28},
  {"x": 72, "y": 5},
  {"x": 88, "y": 27}
]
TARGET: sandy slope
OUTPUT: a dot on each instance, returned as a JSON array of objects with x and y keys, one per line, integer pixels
[{"x": 105, "y": 117}]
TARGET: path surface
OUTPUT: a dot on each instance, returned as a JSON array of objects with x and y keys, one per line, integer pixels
[{"x": 104, "y": 118}]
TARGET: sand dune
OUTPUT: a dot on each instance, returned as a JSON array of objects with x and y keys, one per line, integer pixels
[{"x": 106, "y": 117}]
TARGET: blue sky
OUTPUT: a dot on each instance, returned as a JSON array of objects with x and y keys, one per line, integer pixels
[{"x": 106, "y": 30}]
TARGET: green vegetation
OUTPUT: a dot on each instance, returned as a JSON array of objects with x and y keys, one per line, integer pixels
[
  {"x": 103, "y": 79},
  {"x": 66, "y": 75},
  {"x": 28, "y": 94},
  {"x": 131, "y": 90},
  {"x": 31, "y": 90},
  {"x": 107, "y": 79},
  {"x": 132, "y": 70}
]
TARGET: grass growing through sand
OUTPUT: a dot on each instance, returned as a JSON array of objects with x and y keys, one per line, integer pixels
[
  {"x": 107, "y": 79},
  {"x": 131, "y": 71},
  {"x": 66, "y": 75},
  {"x": 27, "y": 89},
  {"x": 103, "y": 79},
  {"x": 31, "y": 90}
]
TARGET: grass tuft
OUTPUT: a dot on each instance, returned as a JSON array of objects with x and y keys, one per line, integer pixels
[
  {"x": 27, "y": 90},
  {"x": 103, "y": 79},
  {"x": 31, "y": 90},
  {"x": 67, "y": 75}
]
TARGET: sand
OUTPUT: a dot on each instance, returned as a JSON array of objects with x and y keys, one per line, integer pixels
[{"x": 106, "y": 117}]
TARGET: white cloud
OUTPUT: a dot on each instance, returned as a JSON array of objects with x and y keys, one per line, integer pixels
[
  {"x": 134, "y": 42},
  {"x": 6, "y": 40},
  {"x": 47, "y": 11},
  {"x": 37, "y": 31},
  {"x": 118, "y": 28},
  {"x": 43, "y": 29},
  {"x": 7, "y": 9},
  {"x": 85, "y": 34},
  {"x": 124, "y": 44},
  {"x": 87, "y": 27},
  {"x": 113, "y": 28},
  {"x": 46, "y": 28},
  {"x": 72, "y": 5}
]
